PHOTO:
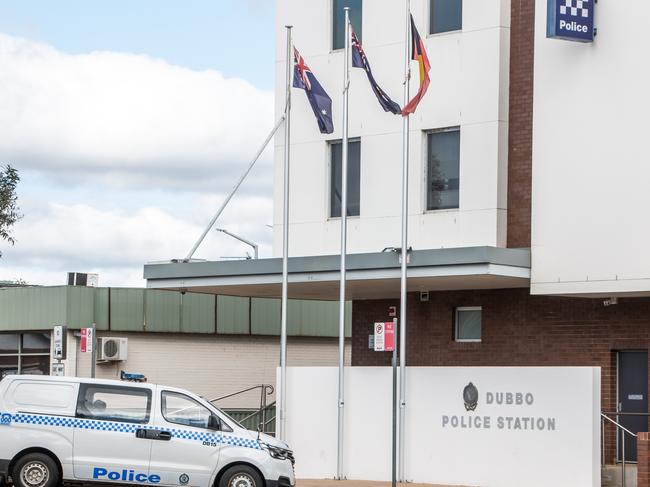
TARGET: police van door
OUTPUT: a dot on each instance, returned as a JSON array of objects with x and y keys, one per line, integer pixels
[
  {"x": 109, "y": 443},
  {"x": 191, "y": 456}
]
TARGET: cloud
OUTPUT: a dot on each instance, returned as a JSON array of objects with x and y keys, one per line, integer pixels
[
  {"x": 127, "y": 120},
  {"x": 56, "y": 238}
]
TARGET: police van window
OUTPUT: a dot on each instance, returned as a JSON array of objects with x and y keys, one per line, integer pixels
[
  {"x": 114, "y": 403},
  {"x": 338, "y": 21},
  {"x": 180, "y": 409},
  {"x": 445, "y": 16}
]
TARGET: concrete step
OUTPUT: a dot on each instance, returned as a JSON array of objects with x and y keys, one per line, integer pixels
[{"x": 611, "y": 475}]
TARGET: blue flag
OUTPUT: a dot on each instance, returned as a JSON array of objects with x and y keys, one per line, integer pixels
[
  {"x": 319, "y": 100},
  {"x": 359, "y": 60}
]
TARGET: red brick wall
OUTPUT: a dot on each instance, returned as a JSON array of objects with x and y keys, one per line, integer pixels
[
  {"x": 643, "y": 457},
  {"x": 520, "y": 143},
  {"x": 517, "y": 329}
]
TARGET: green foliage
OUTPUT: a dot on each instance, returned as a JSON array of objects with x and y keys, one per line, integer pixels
[{"x": 9, "y": 212}]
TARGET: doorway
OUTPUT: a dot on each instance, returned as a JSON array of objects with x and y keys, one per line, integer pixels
[{"x": 632, "y": 398}]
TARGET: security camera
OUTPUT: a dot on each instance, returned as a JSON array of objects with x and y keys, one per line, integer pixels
[{"x": 610, "y": 302}]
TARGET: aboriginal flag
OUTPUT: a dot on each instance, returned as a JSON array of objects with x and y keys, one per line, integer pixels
[
  {"x": 319, "y": 100},
  {"x": 359, "y": 60},
  {"x": 419, "y": 54}
]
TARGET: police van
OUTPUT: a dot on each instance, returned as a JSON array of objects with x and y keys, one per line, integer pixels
[{"x": 79, "y": 431}]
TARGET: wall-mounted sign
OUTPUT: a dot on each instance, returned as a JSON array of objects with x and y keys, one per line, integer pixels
[
  {"x": 385, "y": 337},
  {"x": 58, "y": 369},
  {"x": 571, "y": 20},
  {"x": 86, "y": 340},
  {"x": 59, "y": 342}
]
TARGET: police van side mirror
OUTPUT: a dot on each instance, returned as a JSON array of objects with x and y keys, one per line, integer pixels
[{"x": 214, "y": 423}]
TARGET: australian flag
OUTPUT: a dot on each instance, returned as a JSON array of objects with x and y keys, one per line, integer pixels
[
  {"x": 319, "y": 100},
  {"x": 359, "y": 60}
]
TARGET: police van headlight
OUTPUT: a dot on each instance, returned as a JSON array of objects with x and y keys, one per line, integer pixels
[{"x": 276, "y": 452}]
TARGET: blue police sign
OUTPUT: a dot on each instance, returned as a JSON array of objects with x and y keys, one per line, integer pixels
[{"x": 572, "y": 20}]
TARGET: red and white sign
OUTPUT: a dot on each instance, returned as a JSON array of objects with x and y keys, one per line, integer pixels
[
  {"x": 87, "y": 340},
  {"x": 385, "y": 337}
]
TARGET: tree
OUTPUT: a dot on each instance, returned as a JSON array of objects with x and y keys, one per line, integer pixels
[{"x": 9, "y": 211}]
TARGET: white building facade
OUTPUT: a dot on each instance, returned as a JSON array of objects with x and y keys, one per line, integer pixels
[{"x": 468, "y": 98}]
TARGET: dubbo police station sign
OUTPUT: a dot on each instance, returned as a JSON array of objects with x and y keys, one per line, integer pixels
[{"x": 571, "y": 20}]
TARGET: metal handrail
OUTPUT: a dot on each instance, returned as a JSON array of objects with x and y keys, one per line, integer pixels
[
  {"x": 266, "y": 387},
  {"x": 618, "y": 425},
  {"x": 604, "y": 416},
  {"x": 266, "y": 408},
  {"x": 265, "y": 390}
]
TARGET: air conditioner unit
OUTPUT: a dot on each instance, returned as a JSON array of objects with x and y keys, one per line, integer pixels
[
  {"x": 83, "y": 279},
  {"x": 111, "y": 349}
]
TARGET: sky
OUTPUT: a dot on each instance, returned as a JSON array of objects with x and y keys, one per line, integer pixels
[{"x": 129, "y": 122}]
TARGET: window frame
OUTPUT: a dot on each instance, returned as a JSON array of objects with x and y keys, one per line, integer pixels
[
  {"x": 430, "y": 32},
  {"x": 330, "y": 185},
  {"x": 456, "y": 324},
  {"x": 20, "y": 354},
  {"x": 84, "y": 386},
  {"x": 425, "y": 167}
]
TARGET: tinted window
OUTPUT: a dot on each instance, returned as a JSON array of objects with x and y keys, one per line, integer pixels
[
  {"x": 354, "y": 178},
  {"x": 468, "y": 324},
  {"x": 9, "y": 343},
  {"x": 36, "y": 343},
  {"x": 8, "y": 365},
  {"x": 443, "y": 169},
  {"x": 111, "y": 403},
  {"x": 446, "y": 16},
  {"x": 181, "y": 409},
  {"x": 338, "y": 19}
]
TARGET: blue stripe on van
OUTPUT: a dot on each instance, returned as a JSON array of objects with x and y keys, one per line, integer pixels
[{"x": 119, "y": 427}]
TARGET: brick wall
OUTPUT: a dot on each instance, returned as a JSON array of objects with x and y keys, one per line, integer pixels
[
  {"x": 520, "y": 137},
  {"x": 643, "y": 457},
  {"x": 518, "y": 329}
]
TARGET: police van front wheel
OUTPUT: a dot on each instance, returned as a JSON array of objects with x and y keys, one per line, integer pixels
[
  {"x": 35, "y": 470},
  {"x": 241, "y": 476}
]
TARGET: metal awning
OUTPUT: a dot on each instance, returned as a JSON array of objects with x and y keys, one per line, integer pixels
[{"x": 369, "y": 276}]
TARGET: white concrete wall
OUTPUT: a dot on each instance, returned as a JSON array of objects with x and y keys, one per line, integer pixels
[
  {"x": 469, "y": 88},
  {"x": 211, "y": 366},
  {"x": 591, "y": 170},
  {"x": 567, "y": 455}
]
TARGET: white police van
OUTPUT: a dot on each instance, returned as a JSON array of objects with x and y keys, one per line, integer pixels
[{"x": 80, "y": 431}]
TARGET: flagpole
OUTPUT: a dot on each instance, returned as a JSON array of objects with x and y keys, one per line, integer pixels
[
  {"x": 404, "y": 250},
  {"x": 285, "y": 244},
  {"x": 344, "y": 231}
]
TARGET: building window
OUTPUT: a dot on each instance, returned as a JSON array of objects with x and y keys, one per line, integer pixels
[
  {"x": 468, "y": 324},
  {"x": 338, "y": 20},
  {"x": 354, "y": 178},
  {"x": 445, "y": 16},
  {"x": 24, "y": 353},
  {"x": 443, "y": 169},
  {"x": 114, "y": 403}
]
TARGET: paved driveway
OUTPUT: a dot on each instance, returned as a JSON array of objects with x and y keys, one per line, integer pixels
[{"x": 356, "y": 483}]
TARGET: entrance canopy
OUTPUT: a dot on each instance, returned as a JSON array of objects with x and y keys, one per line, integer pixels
[{"x": 369, "y": 276}]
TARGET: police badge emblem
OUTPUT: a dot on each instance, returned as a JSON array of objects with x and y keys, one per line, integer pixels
[
  {"x": 470, "y": 397},
  {"x": 184, "y": 479}
]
